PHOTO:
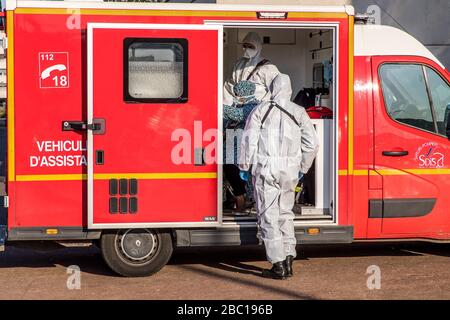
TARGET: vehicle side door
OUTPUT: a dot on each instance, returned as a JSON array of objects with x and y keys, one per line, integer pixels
[{"x": 412, "y": 147}]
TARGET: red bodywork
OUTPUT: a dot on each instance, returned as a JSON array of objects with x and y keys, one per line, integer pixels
[
  {"x": 137, "y": 137},
  {"x": 394, "y": 177}
]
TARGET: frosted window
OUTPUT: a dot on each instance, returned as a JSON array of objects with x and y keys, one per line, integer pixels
[{"x": 155, "y": 70}]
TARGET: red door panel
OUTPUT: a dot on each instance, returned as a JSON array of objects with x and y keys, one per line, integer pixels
[
  {"x": 412, "y": 160},
  {"x": 133, "y": 176}
]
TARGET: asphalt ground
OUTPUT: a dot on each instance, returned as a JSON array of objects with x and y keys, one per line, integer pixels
[{"x": 392, "y": 271}]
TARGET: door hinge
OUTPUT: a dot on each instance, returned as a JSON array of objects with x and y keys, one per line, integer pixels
[{"x": 5, "y": 202}]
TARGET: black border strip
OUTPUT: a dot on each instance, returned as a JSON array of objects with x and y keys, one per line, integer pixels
[
  {"x": 126, "y": 94},
  {"x": 400, "y": 208}
]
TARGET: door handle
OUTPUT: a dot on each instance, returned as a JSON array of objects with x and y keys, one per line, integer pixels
[
  {"x": 99, "y": 157},
  {"x": 97, "y": 126},
  {"x": 395, "y": 153},
  {"x": 74, "y": 125}
]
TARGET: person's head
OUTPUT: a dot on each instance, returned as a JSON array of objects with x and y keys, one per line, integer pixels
[
  {"x": 281, "y": 89},
  {"x": 252, "y": 45}
]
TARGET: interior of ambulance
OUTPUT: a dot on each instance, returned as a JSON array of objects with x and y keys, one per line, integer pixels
[{"x": 306, "y": 55}]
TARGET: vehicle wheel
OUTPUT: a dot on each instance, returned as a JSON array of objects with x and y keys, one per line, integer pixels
[{"x": 136, "y": 252}]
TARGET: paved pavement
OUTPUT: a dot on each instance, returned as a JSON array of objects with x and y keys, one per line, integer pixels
[{"x": 408, "y": 271}]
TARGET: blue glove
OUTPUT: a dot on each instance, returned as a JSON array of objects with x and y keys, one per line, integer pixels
[
  {"x": 300, "y": 176},
  {"x": 244, "y": 175}
]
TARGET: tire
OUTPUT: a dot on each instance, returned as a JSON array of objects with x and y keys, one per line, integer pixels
[{"x": 136, "y": 252}]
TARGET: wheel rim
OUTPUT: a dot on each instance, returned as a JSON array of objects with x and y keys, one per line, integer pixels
[{"x": 137, "y": 246}]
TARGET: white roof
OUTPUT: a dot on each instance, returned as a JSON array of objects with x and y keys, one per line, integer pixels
[
  {"x": 379, "y": 40},
  {"x": 82, "y": 4}
]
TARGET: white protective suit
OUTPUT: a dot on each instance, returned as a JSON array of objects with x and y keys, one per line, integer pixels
[
  {"x": 244, "y": 67},
  {"x": 275, "y": 151}
]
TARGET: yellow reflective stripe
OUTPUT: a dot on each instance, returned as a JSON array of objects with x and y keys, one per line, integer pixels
[
  {"x": 173, "y": 13},
  {"x": 135, "y": 12},
  {"x": 107, "y": 176},
  {"x": 209, "y": 175},
  {"x": 10, "y": 94},
  {"x": 330, "y": 15},
  {"x": 392, "y": 172},
  {"x": 51, "y": 177},
  {"x": 428, "y": 171},
  {"x": 152, "y": 176},
  {"x": 350, "y": 94},
  {"x": 395, "y": 172}
]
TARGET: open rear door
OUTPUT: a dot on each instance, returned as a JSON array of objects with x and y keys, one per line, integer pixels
[{"x": 154, "y": 97}]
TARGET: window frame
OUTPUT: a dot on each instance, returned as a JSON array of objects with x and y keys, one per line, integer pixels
[
  {"x": 128, "y": 98},
  {"x": 424, "y": 66},
  {"x": 427, "y": 88}
]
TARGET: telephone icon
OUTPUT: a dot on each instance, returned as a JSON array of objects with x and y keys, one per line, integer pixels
[{"x": 46, "y": 73}]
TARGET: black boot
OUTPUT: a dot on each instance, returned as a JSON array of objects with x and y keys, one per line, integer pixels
[
  {"x": 288, "y": 263},
  {"x": 278, "y": 271}
]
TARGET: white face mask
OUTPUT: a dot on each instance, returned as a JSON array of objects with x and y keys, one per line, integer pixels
[
  {"x": 245, "y": 100},
  {"x": 250, "y": 53}
]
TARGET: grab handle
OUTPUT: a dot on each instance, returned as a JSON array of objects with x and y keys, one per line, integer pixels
[{"x": 395, "y": 153}]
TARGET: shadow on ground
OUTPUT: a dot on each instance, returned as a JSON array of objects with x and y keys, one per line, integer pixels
[{"x": 232, "y": 259}]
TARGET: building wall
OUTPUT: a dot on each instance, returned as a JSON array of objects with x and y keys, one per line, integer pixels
[{"x": 427, "y": 21}]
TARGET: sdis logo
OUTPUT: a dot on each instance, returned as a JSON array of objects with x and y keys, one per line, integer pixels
[{"x": 430, "y": 155}]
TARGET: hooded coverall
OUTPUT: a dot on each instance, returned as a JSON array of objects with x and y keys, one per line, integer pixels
[
  {"x": 244, "y": 67},
  {"x": 276, "y": 146}
]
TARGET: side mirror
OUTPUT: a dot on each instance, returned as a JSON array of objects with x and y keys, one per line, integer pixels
[{"x": 447, "y": 121}]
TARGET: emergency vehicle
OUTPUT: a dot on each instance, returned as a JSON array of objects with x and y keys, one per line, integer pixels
[{"x": 114, "y": 126}]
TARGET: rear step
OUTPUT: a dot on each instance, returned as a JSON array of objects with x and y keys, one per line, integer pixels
[
  {"x": 248, "y": 235},
  {"x": 298, "y": 217},
  {"x": 301, "y": 213}
]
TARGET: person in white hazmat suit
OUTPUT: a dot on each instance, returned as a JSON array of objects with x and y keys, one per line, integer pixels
[
  {"x": 259, "y": 71},
  {"x": 251, "y": 67},
  {"x": 278, "y": 147}
]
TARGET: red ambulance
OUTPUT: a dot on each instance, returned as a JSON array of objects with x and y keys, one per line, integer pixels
[{"x": 114, "y": 126}]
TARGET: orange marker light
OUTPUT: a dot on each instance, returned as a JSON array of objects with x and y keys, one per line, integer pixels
[{"x": 313, "y": 231}]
